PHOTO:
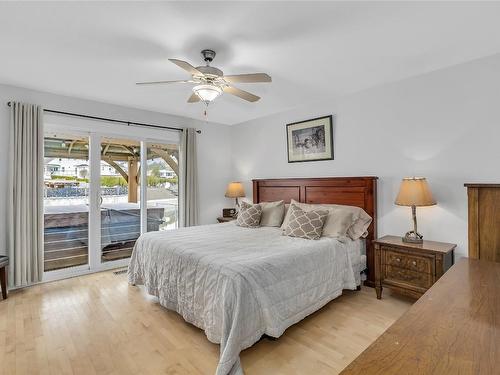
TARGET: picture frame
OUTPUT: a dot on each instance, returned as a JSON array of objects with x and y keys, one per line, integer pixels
[{"x": 310, "y": 140}]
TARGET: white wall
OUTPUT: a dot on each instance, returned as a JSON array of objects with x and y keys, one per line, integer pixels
[
  {"x": 214, "y": 147},
  {"x": 444, "y": 125}
]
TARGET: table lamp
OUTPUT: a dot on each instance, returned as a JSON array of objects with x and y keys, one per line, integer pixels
[
  {"x": 413, "y": 192},
  {"x": 235, "y": 190}
]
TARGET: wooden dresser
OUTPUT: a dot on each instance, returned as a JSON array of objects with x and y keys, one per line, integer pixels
[
  {"x": 453, "y": 329},
  {"x": 484, "y": 221},
  {"x": 410, "y": 268}
]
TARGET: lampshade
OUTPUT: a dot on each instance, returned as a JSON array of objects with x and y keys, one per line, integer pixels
[
  {"x": 207, "y": 93},
  {"x": 414, "y": 191},
  {"x": 235, "y": 190}
]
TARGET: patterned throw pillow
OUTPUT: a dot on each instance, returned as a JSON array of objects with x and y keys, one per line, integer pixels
[
  {"x": 305, "y": 224},
  {"x": 249, "y": 215}
]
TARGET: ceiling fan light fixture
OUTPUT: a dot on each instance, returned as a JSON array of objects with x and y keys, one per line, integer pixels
[
  {"x": 211, "y": 82},
  {"x": 207, "y": 93}
]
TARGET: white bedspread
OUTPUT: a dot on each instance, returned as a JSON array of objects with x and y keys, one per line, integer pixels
[{"x": 240, "y": 283}]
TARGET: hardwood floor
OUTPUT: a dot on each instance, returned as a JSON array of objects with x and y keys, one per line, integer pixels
[{"x": 98, "y": 324}]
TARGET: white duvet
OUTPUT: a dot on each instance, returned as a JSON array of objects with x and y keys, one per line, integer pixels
[{"x": 240, "y": 283}]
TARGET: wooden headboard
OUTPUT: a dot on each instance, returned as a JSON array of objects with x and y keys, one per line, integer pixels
[{"x": 351, "y": 191}]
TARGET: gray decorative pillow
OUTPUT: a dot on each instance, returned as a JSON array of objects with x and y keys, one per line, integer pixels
[
  {"x": 249, "y": 215},
  {"x": 305, "y": 224},
  {"x": 272, "y": 213}
]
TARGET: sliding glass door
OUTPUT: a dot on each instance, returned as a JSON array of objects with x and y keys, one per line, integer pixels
[
  {"x": 120, "y": 203},
  {"x": 101, "y": 191},
  {"x": 162, "y": 188},
  {"x": 66, "y": 200}
]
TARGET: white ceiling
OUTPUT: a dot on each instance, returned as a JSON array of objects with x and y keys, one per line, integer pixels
[{"x": 313, "y": 51}]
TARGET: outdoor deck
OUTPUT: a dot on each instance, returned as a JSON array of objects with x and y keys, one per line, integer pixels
[{"x": 66, "y": 235}]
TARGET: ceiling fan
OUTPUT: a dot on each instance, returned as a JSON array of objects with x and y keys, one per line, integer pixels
[{"x": 210, "y": 82}]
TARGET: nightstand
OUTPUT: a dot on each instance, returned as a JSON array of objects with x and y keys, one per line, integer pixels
[
  {"x": 222, "y": 219},
  {"x": 410, "y": 268}
]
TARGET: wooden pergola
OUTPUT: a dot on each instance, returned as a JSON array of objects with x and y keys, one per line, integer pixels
[{"x": 113, "y": 152}]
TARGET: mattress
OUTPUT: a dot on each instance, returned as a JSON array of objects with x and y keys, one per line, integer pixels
[
  {"x": 238, "y": 284},
  {"x": 357, "y": 252}
]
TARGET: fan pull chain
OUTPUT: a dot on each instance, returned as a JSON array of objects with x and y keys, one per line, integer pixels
[{"x": 205, "y": 112}]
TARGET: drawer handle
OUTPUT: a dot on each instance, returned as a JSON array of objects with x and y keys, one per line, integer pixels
[
  {"x": 414, "y": 263},
  {"x": 398, "y": 259}
]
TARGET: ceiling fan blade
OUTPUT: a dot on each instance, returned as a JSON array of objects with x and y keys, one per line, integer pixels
[
  {"x": 163, "y": 82},
  {"x": 193, "y": 98},
  {"x": 248, "y": 78},
  {"x": 241, "y": 94},
  {"x": 187, "y": 67}
]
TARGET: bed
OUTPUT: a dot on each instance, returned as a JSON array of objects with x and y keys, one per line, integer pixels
[{"x": 238, "y": 284}]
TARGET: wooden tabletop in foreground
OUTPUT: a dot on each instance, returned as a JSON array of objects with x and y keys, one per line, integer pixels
[{"x": 454, "y": 328}]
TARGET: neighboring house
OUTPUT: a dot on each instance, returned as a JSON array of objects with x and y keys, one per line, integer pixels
[
  {"x": 75, "y": 168},
  {"x": 162, "y": 173},
  {"x": 167, "y": 173},
  {"x": 50, "y": 169}
]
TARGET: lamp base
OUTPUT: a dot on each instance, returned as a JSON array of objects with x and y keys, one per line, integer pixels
[
  {"x": 413, "y": 237},
  {"x": 237, "y": 211}
]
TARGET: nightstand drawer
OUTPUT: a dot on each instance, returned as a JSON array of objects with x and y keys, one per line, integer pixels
[
  {"x": 411, "y": 262},
  {"x": 398, "y": 275}
]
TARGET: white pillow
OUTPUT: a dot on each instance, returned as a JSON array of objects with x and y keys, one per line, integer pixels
[
  {"x": 272, "y": 213},
  {"x": 360, "y": 227},
  {"x": 343, "y": 220}
]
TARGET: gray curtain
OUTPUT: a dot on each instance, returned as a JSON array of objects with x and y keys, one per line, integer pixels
[
  {"x": 189, "y": 180},
  {"x": 25, "y": 194}
]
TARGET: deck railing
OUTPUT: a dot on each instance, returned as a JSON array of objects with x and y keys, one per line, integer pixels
[{"x": 66, "y": 235}]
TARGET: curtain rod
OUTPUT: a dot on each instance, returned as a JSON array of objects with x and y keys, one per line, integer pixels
[{"x": 128, "y": 123}]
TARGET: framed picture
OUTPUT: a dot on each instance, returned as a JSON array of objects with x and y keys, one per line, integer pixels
[{"x": 310, "y": 140}]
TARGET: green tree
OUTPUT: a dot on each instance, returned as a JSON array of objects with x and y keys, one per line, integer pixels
[
  {"x": 83, "y": 173},
  {"x": 112, "y": 181}
]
